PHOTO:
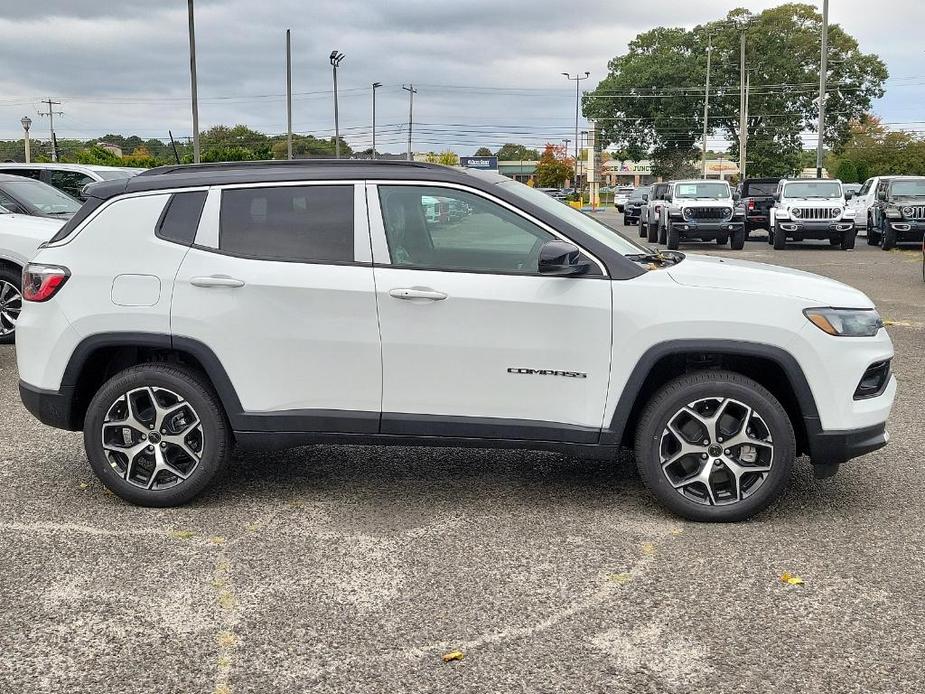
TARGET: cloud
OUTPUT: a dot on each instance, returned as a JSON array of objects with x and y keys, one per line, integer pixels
[{"x": 124, "y": 67}]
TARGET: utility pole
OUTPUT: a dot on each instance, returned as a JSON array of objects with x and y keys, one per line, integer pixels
[
  {"x": 288, "y": 96},
  {"x": 193, "y": 87},
  {"x": 335, "y": 63},
  {"x": 411, "y": 92},
  {"x": 577, "y": 79},
  {"x": 51, "y": 125},
  {"x": 823, "y": 70},
  {"x": 743, "y": 116},
  {"x": 706, "y": 108},
  {"x": 376, "y": 86}
]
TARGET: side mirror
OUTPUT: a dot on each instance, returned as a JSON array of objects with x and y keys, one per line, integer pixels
[
  {"x": 645, "y": 197},
  {"x": 776, "y": 197},
  {"x": 561, "y": 258},
  {"x": 736, "y": 196},
  {"x": 849, "y": 195}
]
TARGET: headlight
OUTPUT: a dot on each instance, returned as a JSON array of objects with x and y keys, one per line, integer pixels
[
  {"x": 796, "y": 212},
  {"x": 836, "y": 211},
  {"x": 845, "y": 322},
  {"x": 908, "y": 212},
  {"x": 686, "y": 212}
]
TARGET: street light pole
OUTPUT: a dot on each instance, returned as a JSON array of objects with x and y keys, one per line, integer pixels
[
  {"x": 26, "y": 124},
  {"x": 823, "y": 70},
  {"x": 376, "y": 86},
  {"x": 192, "y": 74},
  {"x": 335, "y": 62},
  {"x": 577, "y": 79},
  {"x": 706, "y": 108},
  {"x": 288, "y": 96}
]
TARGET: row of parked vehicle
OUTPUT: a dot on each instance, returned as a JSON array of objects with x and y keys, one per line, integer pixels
[
  {"x": 35, "y": 201},
  {"x": 887, "y": 210}
]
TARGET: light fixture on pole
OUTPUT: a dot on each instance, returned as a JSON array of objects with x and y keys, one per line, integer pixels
[
  {"x": 335, "y": 63},
  {"x": 26, "y": 124},
  {"x": 376, "y": 86},
  {"x": 577, "y": 80}
]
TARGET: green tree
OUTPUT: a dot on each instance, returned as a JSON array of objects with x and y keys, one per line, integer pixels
[
  {"x": 874, "y": 150},
  {"x": 515, "y": 152},
  {"x": 447, "y": 158},
  {"x": 482, "y": 152},
  {"x": 651, "y": 102},
  {"x": 554, "y": 167},
  {"x": 309, "y": 146}
]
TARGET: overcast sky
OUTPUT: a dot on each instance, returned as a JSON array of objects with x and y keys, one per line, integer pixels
[{"x": 487, "y": 71}]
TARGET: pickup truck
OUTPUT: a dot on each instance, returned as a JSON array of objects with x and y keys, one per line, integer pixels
[{"x": 757, "y": 197}]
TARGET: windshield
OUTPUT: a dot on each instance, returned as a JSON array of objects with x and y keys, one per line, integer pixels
[
  {"x": 115, "y": 174},
  {"x": 42, "y": 197},
  {"x": 639, "y": 192},
  {"x": 751, "y": 189},
  {"x": 812, "y": 189},
  {"x": 600, "y": 232},
  {"x": 911, "y": 188},
  {"x": 713, "y": 191}
]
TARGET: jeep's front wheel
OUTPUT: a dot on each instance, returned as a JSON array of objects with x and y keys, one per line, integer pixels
[
  {"x": 737, "y": 239},
  {"x": 715, "y": 446},
  {"x": 156, "y": 435},
  {"x": 673, "y": 237},
  {"x": 780, "y": 239}
]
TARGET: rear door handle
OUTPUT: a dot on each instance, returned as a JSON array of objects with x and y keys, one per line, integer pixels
[
  {"x": 216, "y": 281},
  {"x": 415, "y": 293}
]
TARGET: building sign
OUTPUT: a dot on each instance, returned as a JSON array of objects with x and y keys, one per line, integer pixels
[
  {"x": 629, "y": 167},
  {"x": 483, "y": 163}
]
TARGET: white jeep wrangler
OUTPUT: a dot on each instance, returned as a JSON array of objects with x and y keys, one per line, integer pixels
[
  {"x": 705, "y": 211},
  {"x": 811, "y": 209}
]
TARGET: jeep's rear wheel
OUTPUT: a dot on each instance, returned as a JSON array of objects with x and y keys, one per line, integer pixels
[
  {"x": 715, "y": 446},
  {"x": 10, "y": 304},
  {"x": 156, "y": 435}
]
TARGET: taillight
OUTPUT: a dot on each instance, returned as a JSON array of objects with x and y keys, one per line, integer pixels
[
  {"x": 41, "y": 282},
  {"x": 751, "y": 204}
]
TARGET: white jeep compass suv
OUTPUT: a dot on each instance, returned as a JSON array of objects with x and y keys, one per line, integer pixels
[{"x": 414, "y": 304}]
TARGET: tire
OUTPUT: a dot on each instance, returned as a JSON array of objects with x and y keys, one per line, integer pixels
[
  {"x": 835, "y": 242},
  {"x": 651, "y": 234},
  {"x": 662, "y": 232},
  {"x": 179, "y": 390},
  {"x": 772, "y": 453},
  {"x": 887, "y": 237},
  {"x": 10, "y": 303},
  {"x": 873, "y": 236},
  {"x": 780, "y": 240},
  {"x": 673, "y": 237},
  {"x": 848, "y": 240},
  {"x": 642, "y": 229},
  {"x": 737, "y": 239}
]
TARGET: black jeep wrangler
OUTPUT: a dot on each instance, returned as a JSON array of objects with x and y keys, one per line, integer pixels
[
  {"x": 898, "y": 212},
  {"x": 757, "y": 197}
]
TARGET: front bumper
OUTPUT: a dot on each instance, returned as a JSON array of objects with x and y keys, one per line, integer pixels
[
  {"x": 693, "y": 229},
  {"x": 908, "y": 229},
  {"x": 836, "y": 447},
  {"x": 804, "y": 229}
]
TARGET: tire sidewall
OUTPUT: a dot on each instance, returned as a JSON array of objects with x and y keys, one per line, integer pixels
[
  {"x": 10, "y": 276},
  {"x": 670, "y": 400},
  {"x": 202, "y": 400}
]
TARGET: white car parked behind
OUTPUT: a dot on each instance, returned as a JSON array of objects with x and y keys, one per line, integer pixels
[{"x": 20, "y": 237}]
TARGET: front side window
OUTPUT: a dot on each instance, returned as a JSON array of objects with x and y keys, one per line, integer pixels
[
  {"x": 446, "y": 229},
  {"x": 297, "y": 223},
  {"x": 71, "y": 182}
]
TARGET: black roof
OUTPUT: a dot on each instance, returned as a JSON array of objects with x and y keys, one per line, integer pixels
[{"x": 224, "y": 173}]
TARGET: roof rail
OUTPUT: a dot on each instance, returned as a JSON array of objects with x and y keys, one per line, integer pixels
[{"x": 281, "y": 163}]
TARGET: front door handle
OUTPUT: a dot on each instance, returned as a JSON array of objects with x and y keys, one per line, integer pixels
[
  {"x": 416, "y": 293},
  {"x": 216, "y": 281}
]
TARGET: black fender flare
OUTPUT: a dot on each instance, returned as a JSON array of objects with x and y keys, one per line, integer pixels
[{"x": 613, "y": 435}]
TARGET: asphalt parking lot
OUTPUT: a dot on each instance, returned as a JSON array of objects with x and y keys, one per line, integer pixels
[{"x": 354, "y": 569}]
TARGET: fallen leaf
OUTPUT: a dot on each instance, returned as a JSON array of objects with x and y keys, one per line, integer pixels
[
  {"x": 791, "y": 579},
  {"x": 453, "y": 655},
  {"x": 84, "y": 485},
  {"x": 624, "y": 577},
  {"x": 181, "y": 534},
  {"x": 217, "y": 540},
  {"x": 677, "y": 531},
  {"x": 648, "y": 549}
]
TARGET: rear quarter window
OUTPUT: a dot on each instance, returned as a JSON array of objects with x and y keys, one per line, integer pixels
[{"x": 180, "y": 218}]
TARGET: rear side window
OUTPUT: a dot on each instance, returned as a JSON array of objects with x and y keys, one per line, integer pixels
[
  {"x": 296, "y": 223},
  {"x": 180, "y": 218}
]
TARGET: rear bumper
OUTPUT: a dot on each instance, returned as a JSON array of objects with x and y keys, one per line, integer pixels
[
  {"x": 836, "y": 447},
  {"x": 52, "y": 407}
]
